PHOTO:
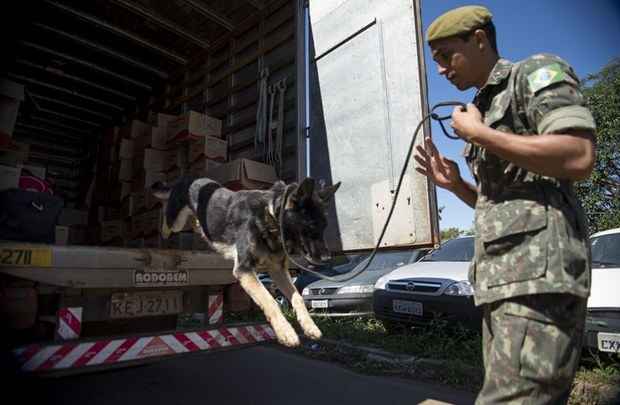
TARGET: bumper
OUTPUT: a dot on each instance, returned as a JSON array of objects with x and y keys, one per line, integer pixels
[
  {"x": 596, "y": 324},
  {"x": 341, "y": 303},
  {"x": 452, "y": 309}
]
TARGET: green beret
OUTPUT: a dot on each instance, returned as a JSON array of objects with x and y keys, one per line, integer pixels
[{"x": 458, "y": 21}]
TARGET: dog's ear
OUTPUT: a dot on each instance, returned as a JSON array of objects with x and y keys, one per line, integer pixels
[
  {"x": 160, "y": 190},
  {"x": 304, "y": 190},
  {"x": 278, "y": 186},
  {"x": 327, "y": 192}
]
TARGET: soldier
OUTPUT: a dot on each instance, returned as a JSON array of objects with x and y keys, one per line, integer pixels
[{"x": 529, "y": 137}]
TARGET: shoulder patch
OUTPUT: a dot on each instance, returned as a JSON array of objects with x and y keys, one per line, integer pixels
[{"x": 544, "y": 76}]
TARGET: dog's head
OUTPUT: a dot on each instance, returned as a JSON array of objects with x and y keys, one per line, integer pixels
[{"x": 305, "y": 220}]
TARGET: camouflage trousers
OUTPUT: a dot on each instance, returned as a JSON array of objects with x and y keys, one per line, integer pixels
[{"x": 531, "y": 348}]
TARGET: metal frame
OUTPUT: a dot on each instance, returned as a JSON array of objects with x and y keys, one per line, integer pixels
[
  {"x": 87, "y": 64},
  {"x": 75, "y": 107},
  {"x": 426, "y": 129},
  {"x": 41, "y": 129},
  {"x": 211, "y": 15},
  {"x": 70, "y": 117},
  {"x": 257, "y": 4},
  {"x": 77, "y": 79},
  {"x": 120, "y": 32},
  {"x": 77, "y": 131},
  {"x": 162, "y": 22},
  {"x": 302, "y": 125},
  {"x": 103, "y": 49},
  {"x": 63, "y": 90}
]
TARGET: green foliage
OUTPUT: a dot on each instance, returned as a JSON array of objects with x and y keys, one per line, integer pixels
[
  {"x": 600, "y": 193},
  {"x": 451, "y": 233}
]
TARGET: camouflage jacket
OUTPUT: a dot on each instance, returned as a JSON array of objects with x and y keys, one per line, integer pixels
[{"x": 531, "y": 231}]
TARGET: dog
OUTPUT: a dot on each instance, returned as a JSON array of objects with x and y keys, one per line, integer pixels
[{"x": 245, "y": 227}]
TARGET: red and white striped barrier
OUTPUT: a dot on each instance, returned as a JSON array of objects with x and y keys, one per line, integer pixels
[
  {"x": 216, "y": 309},
  {"x": 69, "y": 324},
  {"x": 35, "y": 358}
]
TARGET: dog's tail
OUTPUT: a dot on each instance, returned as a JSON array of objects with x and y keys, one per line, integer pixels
[{"x": 175, "y": 196}]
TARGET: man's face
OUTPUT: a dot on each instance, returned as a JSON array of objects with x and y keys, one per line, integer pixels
[{"x": 458, "y": 60}]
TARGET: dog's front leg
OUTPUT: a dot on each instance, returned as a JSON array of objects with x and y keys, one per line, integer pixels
[
  {"x": 259, "y": 294},
  {"x": 282, "y": 278}
]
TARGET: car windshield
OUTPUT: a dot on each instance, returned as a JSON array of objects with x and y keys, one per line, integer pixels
[
  {"x": 606, "y": 250},
  {"x": 382, "y": 261},
  {"x": 454, "y": 250}
]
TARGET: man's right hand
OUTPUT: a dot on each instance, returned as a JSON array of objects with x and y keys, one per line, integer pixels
[{"x": 442, "y": 171}]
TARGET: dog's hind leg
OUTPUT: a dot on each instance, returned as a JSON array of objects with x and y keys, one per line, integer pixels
[
  {"x": 282, "y": 278},
  {"x": 259, "y": 294}
]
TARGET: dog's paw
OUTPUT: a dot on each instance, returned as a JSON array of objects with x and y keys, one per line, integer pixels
[
  {"x": 312, "y": 331},
  {"x": 286, "y": 335}
]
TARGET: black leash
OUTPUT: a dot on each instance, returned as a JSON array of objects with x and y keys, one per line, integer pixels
[{"x": 364, "y": 264}]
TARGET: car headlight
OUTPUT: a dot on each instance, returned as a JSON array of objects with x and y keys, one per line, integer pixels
[
  {"x": 381, "y": 283},
  {"x": 460, "y": 288},
  {"x": 356, "y": 289},
  {"x": 305, "y": 291}
]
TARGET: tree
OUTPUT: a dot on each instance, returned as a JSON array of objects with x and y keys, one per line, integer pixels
[
  {"x": 600, "y": 193},
  {"x": 450, "y": 233}
]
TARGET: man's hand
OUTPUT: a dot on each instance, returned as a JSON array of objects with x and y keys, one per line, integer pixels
[
  {"x": 467, "y": 124},
  {"x": 442, "y": 171}
]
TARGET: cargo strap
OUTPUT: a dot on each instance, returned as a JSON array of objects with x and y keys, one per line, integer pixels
[
  {"x": 276, "y": 127},
  {"x": 261, "y": 112}
]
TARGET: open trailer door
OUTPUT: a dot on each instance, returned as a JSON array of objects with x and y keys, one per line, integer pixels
[{"x": 366, "y": 92}]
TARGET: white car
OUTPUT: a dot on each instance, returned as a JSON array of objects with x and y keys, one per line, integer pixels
[
  {"x": 603, "y": 321},
  {"x": 434, "y": 288}
]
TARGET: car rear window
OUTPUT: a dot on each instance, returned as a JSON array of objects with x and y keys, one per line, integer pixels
[
  {"x": 454, "y": 250},
  {"x": 606, "y": 250}
]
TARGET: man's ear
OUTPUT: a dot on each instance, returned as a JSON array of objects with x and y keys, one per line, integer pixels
[{"x": 326, "y": 193}]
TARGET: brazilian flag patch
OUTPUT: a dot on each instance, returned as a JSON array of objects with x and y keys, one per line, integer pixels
[{"x": 544, "y": 76}]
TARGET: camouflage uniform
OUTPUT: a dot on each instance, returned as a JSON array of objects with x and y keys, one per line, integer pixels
[{"x": 531, "y": 268}]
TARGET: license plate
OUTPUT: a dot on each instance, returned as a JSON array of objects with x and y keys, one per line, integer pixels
[
  {"x": 407, "y": 307},
  {"x": 146, "y": 304},
  {"x": 26, "y": 257},
  {"x": 320, "y": 304},
  {"x": 609, "y": 342}
]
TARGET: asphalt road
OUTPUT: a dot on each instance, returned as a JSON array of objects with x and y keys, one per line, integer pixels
[{"x": 260, "y": 375}]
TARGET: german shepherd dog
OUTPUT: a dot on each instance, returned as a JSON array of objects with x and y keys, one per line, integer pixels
[{"x": 245, "y": 227}]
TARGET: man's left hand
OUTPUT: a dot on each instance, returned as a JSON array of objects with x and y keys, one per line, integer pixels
[{"x": 467, "y": 124}]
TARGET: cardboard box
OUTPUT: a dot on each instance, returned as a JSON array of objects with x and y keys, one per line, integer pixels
[
  {"x": 209, "y": 147},
  {"x": 173, "y": 175},
  {"x": 14, "y": 154},
  {"x": 245, "y": 174},
  {"x": 193, "y": 125},
  {"x": 71, "y": 235},
  {"x": 125, "y": 150},
  {"x": 146, "y": 179},
  {"x": 135, "y": 129},
  {"x": 158, "y": 138},
  {"x": 9, "y": 177},
  {"x": 69, "y": 217},
  {"x": 108, "y": 213},
  {"x": 159, "y": 119},
  {"x": 204, "y": 167},
  {"x": 120, "y": 191},
  {"x": 133, "y": 204},
  {"x": 125, "y": 171},
  {"x": 11, "y": 96},
  {"x": 37, "y": 171},
  {"x": 200, "y": 244},
  {"x": 111, "y": 136},
  {"x": 159, "y": 160},
  {"x": 113, "y": 230}
]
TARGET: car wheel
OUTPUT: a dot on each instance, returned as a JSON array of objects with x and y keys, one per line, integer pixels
[{"x": 283, "y": 302}]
